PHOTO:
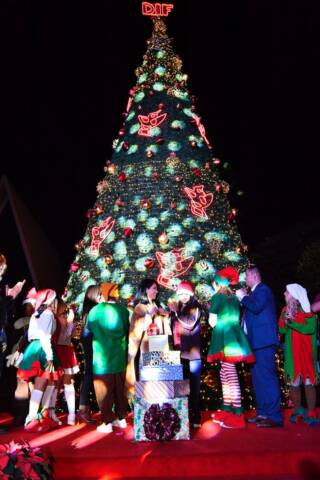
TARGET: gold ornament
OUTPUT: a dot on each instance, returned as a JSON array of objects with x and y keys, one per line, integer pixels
[
  {"x": 163, "y": 238},
  {"x": 108, "y": 258},
  {"x": 145, "y": 204}
]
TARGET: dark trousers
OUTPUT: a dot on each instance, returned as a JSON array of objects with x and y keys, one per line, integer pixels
[
  {"x": 87, "y": 382},
  {"x": 110, "y": 391},
  {"x": 266, "y": 384},
  {"x": 192, "y": 372}
]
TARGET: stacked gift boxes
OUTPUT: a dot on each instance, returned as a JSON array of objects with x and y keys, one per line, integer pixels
[{"x": 160, "y": 387}]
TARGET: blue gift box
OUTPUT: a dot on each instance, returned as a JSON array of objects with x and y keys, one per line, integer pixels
[{"x": 161, "y": 372}]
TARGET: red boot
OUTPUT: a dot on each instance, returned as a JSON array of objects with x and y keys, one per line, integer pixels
[
  {"x": 46, "y": 416},
  {"x": 234, "y": 421},
  {"x": 220, "y": 416}
]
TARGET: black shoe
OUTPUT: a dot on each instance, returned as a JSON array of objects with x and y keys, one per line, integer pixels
[
  {"x": 257, "y": 419},
  {"x": 268, "y": 423}
]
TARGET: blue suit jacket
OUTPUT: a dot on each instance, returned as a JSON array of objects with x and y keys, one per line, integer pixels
[{"x": 260, "y": 317}]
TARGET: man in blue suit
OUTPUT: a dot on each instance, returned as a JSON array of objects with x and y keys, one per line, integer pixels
[{"x": 260, "y": 324}]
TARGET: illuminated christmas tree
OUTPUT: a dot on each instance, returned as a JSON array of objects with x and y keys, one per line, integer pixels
[{"x": 161, "y": 210}]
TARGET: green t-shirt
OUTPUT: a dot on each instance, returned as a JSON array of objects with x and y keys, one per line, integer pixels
[{"x": 109, "y": 324}]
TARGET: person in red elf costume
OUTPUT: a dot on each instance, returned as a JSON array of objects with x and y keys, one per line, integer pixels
[
  {"x": 299, "y": 325},
  {"x": 39, "y": 359},
  {"x": 229, "y": 345}
]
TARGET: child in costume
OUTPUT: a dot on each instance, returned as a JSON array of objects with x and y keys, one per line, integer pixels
[
  {"x": 66, "y": 355},
  {"x": 299, "y": 326},
  {"x": 185, "y": 325},
  {"x": 39, "y": 360},
  {"x": 109, "y": 324},
  {"x": 229, "y": 345}
]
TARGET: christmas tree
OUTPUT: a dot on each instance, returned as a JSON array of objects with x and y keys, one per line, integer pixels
[{"x": 162, "y": 209}]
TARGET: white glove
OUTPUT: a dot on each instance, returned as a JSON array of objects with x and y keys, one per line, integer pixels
[
  {"x": 11, "y": 359},
  {"x": 213, "y": 318}
]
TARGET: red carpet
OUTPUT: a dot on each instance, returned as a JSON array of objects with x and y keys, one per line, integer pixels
[{"x": 289, "y": 453}]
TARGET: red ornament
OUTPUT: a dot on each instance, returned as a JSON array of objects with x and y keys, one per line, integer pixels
[
  {"x": 207, "y": 166},
  {"x": 122, "y": 132},
  {"x": 74, "y": 267},
  {"x": 232, "y": 215},
  {"x": 149, "y": 263},
  {"x": 159, "y": 141},
  {"x": 127, "y": 232},
  {"x": 132, "y": 91},
  {"x": 173, "y": 205},
  {"x": 218, "y": 187},
  {"x": 178, "y": 179},
  {"x": 161, "y": 106},
  {"x": 119, "y": 202},
  {"x": 155, "y": 176},
  {"x": 151, "y": 93},
  {"x": 125, "y": 146},
  {"x": 196, "y": 172},
  {"x": 90, "y": 213},
  {"x": 216, "y": 161},
  {"x": 122, "y": 177}
]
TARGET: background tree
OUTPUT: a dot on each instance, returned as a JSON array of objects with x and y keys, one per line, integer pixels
[{"x": 162, "y": 209}]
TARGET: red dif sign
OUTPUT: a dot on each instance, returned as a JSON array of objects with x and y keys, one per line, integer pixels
[{"x": 156, "y": 9}]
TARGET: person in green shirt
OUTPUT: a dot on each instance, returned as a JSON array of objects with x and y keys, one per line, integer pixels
[
  {"x": 109, "y": 324},
  {"x": 229, "y": 345}
]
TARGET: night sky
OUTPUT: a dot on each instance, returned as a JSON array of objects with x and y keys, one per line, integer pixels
[{"x": 67, "y": 67}]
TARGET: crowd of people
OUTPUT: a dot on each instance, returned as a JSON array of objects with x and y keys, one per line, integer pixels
[{"x": 245, "y": 328}]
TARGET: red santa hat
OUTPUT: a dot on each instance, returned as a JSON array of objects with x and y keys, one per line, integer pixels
[
  {"x": 45, "y": 296},
  {"x": 227, "y": 276},
  {"x": 185, "y": 287},
  {"x": 31, "y": 297}
]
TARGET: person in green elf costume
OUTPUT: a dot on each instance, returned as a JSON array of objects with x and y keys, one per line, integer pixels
[
  {"x": 229, "y": 345},
  {"x": 109, "y": 324},
  {"x": 299, "y": 326}
]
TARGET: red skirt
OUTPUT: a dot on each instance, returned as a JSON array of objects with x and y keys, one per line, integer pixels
[{"x": 67, "y": 359}]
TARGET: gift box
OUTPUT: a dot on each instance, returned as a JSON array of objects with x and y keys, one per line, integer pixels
[
  {"x": 153, "y": 359},
  {"x": 161, "y": 426},
  {"x": 161, "y": 391},
  {"x": 158, "y": 343},
  {"x": 161, "y": 372}
]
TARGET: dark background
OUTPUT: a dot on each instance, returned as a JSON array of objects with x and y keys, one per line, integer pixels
[{"x": 67, "y": 67}]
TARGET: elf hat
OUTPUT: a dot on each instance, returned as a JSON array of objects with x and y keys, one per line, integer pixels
[
  {"x": 186, "y": 288},
  {"x": 300, "y": 294},
  {"x": 227, "y": 276},
  {"x": 45, "y": 296},
  {"x": 109, "y": 290},
  {"x": 31, "y": 297}
]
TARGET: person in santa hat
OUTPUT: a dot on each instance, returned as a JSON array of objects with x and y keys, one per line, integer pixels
[
  {"x": 229, "y": 345},
  {"x": 185, "y": 325},
  {"x": 39, "y": 360},
  {"x": 299, "y": 326}
]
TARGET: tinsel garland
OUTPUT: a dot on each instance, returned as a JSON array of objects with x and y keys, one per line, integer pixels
[{"x": 161, "y": 423}]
